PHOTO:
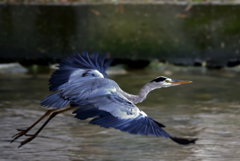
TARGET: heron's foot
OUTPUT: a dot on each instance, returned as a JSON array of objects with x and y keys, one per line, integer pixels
[
  {"x": 30, "y": 138},
  {"x": 21, "y": 133}
]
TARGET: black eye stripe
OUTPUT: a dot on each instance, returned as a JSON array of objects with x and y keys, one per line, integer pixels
[{"x": 159, "y": 79}]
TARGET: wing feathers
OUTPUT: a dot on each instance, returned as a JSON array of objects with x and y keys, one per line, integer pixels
[
  {"x": 183, "y": 141},
  {"x": 140, "y": 125},
  {"x": 54, "y": 100},
  {"x": 76, "y": 62},
  {"x": 70, "y": 76},
  {"x": 112, "y": 110},
  {"x": 87, "y": 112},
  {"x": 159, "y": 124},
  {"x": 94, "y": 57}
]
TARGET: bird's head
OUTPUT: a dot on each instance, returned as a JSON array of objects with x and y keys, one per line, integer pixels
[{"x": 162, "y": 81}]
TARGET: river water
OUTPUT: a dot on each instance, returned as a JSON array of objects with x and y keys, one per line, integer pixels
[{"x": 207, "y": 109}]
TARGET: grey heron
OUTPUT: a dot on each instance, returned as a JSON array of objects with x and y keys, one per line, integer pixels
[{"x": 81, "y": 82}]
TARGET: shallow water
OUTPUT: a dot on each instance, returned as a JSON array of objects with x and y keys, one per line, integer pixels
[{"x": 207, "y": 109}]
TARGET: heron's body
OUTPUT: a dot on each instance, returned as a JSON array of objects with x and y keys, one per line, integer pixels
[{"x": 82, "y": 83}]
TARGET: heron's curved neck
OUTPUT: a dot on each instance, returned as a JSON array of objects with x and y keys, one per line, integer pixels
[{"x": 141, "y": 95}]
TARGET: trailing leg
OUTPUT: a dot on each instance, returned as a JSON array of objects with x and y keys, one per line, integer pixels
[
  {"x": 31, "y": 137},
  {"x": 24, "y": 131}
]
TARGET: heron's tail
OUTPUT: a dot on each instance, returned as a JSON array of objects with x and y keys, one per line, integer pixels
[{"x": 54, "y": 100}]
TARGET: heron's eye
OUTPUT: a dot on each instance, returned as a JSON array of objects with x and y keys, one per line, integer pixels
[{"x": 167, "y": 81}]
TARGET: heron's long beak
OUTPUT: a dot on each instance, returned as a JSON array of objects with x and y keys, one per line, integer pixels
[{"x": 174, "y": 81}]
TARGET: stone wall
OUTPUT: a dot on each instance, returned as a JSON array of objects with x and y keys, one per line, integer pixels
[{"x": 179, "y": 34}]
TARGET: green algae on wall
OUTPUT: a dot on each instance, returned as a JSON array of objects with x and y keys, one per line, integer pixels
[{"x": 175, "y": 33}]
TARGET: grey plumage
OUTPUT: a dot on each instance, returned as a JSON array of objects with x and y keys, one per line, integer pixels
[{"x": 100, "y": 98}]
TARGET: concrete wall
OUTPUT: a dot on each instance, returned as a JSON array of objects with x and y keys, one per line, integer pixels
[{"x": 178, "y": 34}]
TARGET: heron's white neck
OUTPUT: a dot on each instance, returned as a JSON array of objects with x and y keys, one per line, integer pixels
[{"x": 135, "y": 99}]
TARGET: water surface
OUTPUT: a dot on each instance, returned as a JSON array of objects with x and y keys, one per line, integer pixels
[{"x": 207, "y": 109}]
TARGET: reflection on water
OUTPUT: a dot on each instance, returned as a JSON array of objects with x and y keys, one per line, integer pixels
[{"x": 207, "y": 109}]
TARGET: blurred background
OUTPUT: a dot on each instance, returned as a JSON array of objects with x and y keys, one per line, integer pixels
[{"x": 197, "y": 40}]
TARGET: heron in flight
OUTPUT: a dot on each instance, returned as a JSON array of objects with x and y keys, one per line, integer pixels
[{"x": 81, "y": 82}]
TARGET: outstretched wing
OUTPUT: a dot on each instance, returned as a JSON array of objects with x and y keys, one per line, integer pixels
[
  {"x": 78, "y": 63},
  {"x": 111, "y": 109},
  {"x": 76, "y": 70}
]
